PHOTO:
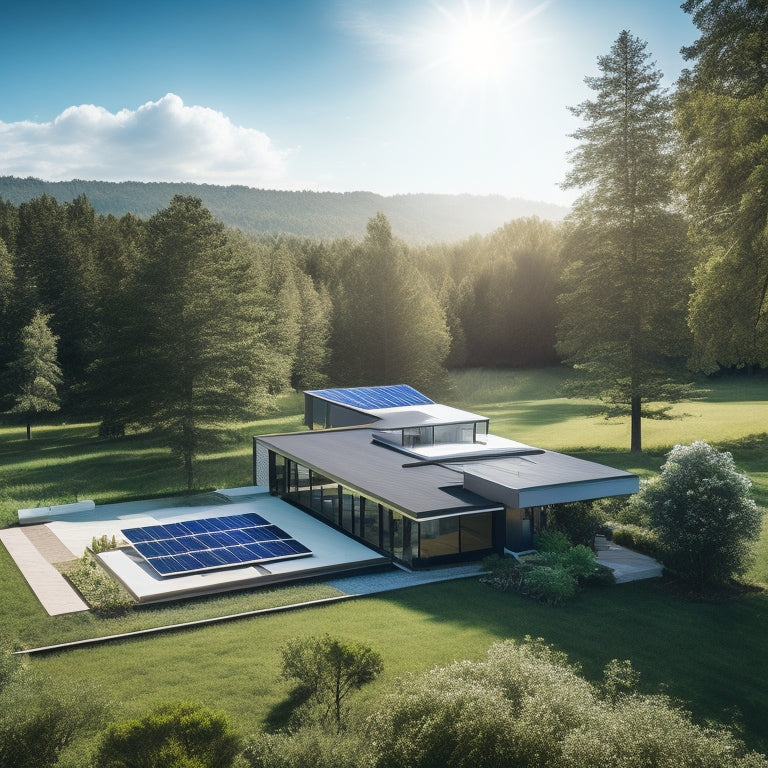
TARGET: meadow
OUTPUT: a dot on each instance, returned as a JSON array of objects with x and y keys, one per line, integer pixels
[{"x": 708, "y": 656}]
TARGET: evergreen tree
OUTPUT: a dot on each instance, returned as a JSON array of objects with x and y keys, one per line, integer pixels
[
  {"x": 195, "y": 357},
  {"x": 722, "y": 108},
  {"x": 626, "y": 284},
  {"x": 389, "y": 327},
  {"x": 38, "y": 371}
]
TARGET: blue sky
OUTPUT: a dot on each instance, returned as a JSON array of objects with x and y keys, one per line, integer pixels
[{"x": 390, "y": 96}]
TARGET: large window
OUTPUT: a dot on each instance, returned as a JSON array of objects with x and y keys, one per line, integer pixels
[
  {"x": 476, "y": 532},
  {"x": 439, "y": 537}
]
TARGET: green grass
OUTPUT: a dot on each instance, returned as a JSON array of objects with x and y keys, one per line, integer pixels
[{"x": 709, "y": 656}]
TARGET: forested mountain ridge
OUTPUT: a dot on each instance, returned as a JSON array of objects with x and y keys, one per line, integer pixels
[{"x": 416, "y": 218}]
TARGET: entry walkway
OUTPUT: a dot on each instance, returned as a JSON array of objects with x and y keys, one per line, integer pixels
[{"x": 51, "y": 588}]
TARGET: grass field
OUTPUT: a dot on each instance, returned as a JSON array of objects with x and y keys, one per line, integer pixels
[{"x": 711, "y": 657}]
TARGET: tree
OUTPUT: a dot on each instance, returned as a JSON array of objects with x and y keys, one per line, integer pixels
[
  {"x": 626, "y": 279},
  {"x": 328, "y": 670},
  {"x": 37, "y": 370},
  {"x": 172, "y": 736},
  {"x": 701, "y": 509},
  {"x": 389, "y": 327},
  {"x": 721, "y": 108},
  {"x": 195, "y": 356}
]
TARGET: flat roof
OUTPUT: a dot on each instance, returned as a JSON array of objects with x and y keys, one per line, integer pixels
[
  {"x": 469, "y": 480},
  {"x": 349, "y": 457}
]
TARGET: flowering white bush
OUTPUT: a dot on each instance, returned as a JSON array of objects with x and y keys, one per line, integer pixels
[{"x": 701, "y": 510}]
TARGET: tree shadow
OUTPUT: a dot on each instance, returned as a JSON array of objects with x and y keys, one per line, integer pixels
[{"x": 284, "y": 712}]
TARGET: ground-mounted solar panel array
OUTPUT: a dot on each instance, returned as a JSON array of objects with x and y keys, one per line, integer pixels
[{"x": 173, "y": 549}]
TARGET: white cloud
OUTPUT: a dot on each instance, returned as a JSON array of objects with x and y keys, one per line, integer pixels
[{"x": 160, "y": 141}]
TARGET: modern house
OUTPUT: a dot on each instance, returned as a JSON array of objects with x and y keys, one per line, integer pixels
[{"x": 421, "y": 482}]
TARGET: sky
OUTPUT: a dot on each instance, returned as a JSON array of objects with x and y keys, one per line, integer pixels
[{"x": 387, "y": 96}]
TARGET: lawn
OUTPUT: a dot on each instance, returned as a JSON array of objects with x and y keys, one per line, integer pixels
[{"x": 711, "y": 657}]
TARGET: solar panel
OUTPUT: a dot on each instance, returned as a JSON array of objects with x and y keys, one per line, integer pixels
[
  {"x": 191, "y": 546},
  {"x": 374, "y": 398}
]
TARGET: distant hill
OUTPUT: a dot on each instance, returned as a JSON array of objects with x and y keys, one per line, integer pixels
[{"x": 419, "y": 218}]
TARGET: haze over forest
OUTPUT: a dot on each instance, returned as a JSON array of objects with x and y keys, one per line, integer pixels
[{"x": 417, "y": 218}]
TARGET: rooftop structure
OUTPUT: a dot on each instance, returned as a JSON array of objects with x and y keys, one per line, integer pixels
[{"x": 421, "y": 482}]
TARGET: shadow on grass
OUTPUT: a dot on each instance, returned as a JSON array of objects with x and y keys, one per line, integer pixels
[
  {"x": 281, "y": 714},
  {"x": 709, "y": 657}
]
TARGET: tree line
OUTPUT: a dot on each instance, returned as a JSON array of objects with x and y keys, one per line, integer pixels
[
  {"x": 416, "y": 218},
  {"x": 177, "y": 322}
]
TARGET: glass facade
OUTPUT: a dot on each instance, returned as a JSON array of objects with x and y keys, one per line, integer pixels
[{"x": 410, "y": 541}]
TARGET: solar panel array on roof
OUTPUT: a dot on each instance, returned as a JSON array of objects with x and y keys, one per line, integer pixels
[
  {"x": 217, "y": 542},
  {"x": 374, "y": 398}
]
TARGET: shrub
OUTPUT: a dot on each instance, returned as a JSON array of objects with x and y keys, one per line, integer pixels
[
  {"x": 102, "y": 544},
  {"x": 640, "y": 539},
  {"x": 700, "y": 508},
  {"x": 97, "y": 588},
  {"x": 504, "y": 573},
  {"x": 579, "y": 521},
  {"x": 551, "y": 541},
  {"x": 173, "y": 736},
  {"x": 552, "y": 586}
]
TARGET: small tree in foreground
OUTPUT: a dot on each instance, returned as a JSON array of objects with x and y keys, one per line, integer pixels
[
  {"x": 38, "y": 370},
  {"x": 701, "y": 510},
  {"x": 328, "y": 670}
]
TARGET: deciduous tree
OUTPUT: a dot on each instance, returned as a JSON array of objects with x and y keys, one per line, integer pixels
[
  {"x": 328, "y": 669},
  {"x": 626, "y": 281}
]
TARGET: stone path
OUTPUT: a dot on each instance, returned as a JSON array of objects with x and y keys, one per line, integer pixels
[{"x": 51, "y": 588}]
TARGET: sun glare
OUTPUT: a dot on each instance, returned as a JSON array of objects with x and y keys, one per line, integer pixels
[{"x": 480, "y": 44}]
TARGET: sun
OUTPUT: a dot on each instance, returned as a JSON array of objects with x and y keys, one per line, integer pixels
[{"x": 478, "y": 44}]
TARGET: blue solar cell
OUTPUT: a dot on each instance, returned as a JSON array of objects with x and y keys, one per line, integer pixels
[
  {"x": 176, "y": 546},
  {"x": 173, "y": 530},
  {"x": 278, "y": 533},
  {"x": 207, "y": 526},
  {"x": 296, "y": 547},
  {"x": 277, "y": 548},
  {"x": 135, "y": 535},
  {"x": 244, "y": 536},
  {"x": 152, "y": 549},
  {"x": 254, "y": 519},
  {"x": 238, "y": 521},
  {"x": 259, "y": 551},
  {"x": 224, "y": 539},
  {"x": 261, "y": 534},
  {"x": 211, "y": 558},
  {"x": 194, "y": 526},
  {"x": 165, "y": 566}
]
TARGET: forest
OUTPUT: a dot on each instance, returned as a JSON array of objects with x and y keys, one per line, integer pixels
[
  {"x": 178, "y": 322},
  {"x": 416, "y": 218}
]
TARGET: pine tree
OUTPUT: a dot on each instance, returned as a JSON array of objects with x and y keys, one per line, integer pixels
[
  {"x": 722, "y": 107},
  {"x": 38, "y": 371},
  {"x": 625, "y": 284},
  {"x": 194, "y": 357}
]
